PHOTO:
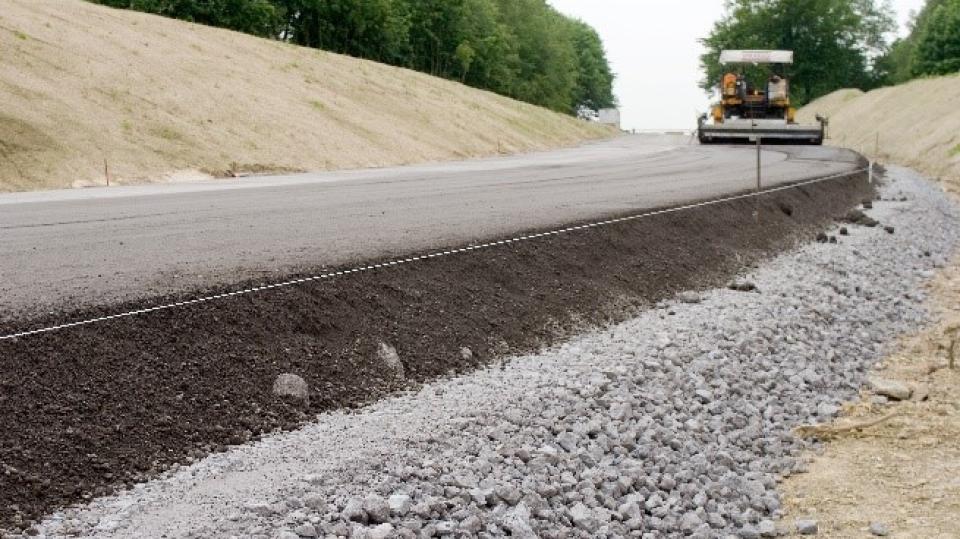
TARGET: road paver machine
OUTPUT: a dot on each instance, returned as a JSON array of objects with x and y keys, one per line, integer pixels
[{"x": 749, "y": 109}]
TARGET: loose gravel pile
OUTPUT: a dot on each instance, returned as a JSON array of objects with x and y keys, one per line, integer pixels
[{"x": 674, "y": 423}]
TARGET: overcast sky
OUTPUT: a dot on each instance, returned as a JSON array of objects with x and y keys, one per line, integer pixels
[{"x": 652, "y": 46}]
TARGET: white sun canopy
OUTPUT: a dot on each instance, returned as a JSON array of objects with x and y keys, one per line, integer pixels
[{"x": 756, "y": 57}]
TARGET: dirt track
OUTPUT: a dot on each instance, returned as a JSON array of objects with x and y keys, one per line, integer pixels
[{"x": 93, "y": 408}]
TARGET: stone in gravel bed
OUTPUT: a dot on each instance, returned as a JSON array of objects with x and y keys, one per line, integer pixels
[
  {"x": 400, "y": 504},
  {"x": 879, "y": 529},
  {"x": 306, "y": 530},
  {"x": 767, "y": 528},
  {"x": 583, "y": 517},
  {"x": 354, "y": 511},
  {"x": 376, "y": 508}
]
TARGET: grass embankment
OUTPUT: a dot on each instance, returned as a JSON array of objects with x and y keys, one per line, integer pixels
[
  {"x": 902, "y": 472},
  {"x": 916, "y": 124},
  {"x": 159, "y": 100}
]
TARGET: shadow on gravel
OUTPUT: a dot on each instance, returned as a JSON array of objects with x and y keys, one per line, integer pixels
[{"x": 91, "y": 409}]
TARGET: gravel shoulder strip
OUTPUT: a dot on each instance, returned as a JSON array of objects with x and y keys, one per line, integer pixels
[{"x": 675, "y": 422}]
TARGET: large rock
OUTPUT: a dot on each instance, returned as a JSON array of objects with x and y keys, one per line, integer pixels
[
  {"x": 890, "y": 388},
  {"x": 291, "y": 386},
  {"x": 391, "y": 359}
]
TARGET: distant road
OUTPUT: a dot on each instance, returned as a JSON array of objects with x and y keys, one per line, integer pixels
[{"x": 66, "y": 248}]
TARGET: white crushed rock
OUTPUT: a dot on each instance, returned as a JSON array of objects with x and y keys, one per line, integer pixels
[{"x": 676, "y": 422}]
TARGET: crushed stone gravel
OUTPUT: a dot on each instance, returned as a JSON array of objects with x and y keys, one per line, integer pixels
[{"x": 674, "y": 423}]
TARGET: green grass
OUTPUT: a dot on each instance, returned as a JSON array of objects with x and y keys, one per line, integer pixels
[
  {"x": 318, "y": 105},
  {"x": 955, "y": 151},
  {"x": 21, "y": 35}
]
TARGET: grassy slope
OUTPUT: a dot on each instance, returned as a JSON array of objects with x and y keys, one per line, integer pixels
[
  {"x": 918, "y": 123},
  {"x": 80, "y": 84}
]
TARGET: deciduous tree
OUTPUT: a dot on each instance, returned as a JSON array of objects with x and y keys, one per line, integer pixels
[{"x": 836, "y": 42}]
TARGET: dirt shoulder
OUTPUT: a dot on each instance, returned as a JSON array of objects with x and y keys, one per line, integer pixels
[
  {"x": 91, "y": 92},
  {"x": 903, "y": 473}
]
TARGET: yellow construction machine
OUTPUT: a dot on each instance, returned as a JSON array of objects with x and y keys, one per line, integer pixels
[{"x": 749, "y": 111}]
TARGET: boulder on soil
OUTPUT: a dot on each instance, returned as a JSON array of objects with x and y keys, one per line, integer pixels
[
  {"x": 857, "y": 217},
  {"x": 291, "y": 386},
  {"x": 807, "y": 527},
  {"x": 890, "y": 388},
  {"x": 389, "y": 356},
  {"x": 742, "y": 286}
]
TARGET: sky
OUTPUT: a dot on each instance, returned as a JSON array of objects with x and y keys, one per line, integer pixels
[{"x": 652, "y": 47}]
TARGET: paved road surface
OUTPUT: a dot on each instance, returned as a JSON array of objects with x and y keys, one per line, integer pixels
[{"x": 65, "y": 248}]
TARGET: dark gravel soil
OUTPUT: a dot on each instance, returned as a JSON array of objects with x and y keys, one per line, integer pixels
[{"x": 91, "y": 409}]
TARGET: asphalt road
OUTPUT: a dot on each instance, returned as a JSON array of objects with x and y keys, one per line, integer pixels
[{"x": 61, "y": 249}]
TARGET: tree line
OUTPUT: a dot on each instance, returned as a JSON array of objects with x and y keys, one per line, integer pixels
[
  {"x": 931, "y": 48},
  {"x": 837, "y": 43},
  {"x": 523, "y": 49}
]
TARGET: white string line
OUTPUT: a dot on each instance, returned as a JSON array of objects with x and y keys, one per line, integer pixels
[{"x": 412, "y": 259}]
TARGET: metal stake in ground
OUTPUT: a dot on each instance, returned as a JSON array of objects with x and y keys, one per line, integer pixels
[{"x": 756, "y": 210}]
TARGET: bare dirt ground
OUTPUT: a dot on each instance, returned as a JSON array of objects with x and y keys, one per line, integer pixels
[
  {"x": 88, "y": 90},
  {"x": 903, "y": 472}
]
